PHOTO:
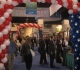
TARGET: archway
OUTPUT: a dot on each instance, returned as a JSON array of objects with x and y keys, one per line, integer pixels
[
  {"x": 6, "y": 7},
  {"x": 25, "y": 25}
]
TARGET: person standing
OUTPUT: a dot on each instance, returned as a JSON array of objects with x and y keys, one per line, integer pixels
[
  {"x": 51, "y": 51},
  {"x": 26, "y": 54},
  {"x": 35, "y": 41},
  {"x": 11, "y": 53},
  {"x": 59, "y": 50},
  {"x": 47, "y": 40},
  {"x": 32, "y": 43},
  {"x": 42, "y": 46}
]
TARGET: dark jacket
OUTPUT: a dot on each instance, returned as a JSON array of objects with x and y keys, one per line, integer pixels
[
  {"x": 42, "y": 45},
  {"x": 47, "y": 42},
  {"x": 59, "y": 47},
  {"x": 51, "y": 47},
  {"x": 25, "y": 49},
  {"x": 20, "y": 39}
]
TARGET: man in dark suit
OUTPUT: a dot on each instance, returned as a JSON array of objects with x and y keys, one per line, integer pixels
[
  {"x": 51, "y": 51},
  {"x": 32, "y": 43},
  {"x": 59, "y": 51},
  {"x": 47, "y": 43},
  {"x": 42, "y": 46}
]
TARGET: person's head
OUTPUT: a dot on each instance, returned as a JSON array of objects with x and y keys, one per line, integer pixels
[
  {"x": 44, "y": 37},
  {"x": 52, "y": 37},
  {"x": 28, "y": 40}
]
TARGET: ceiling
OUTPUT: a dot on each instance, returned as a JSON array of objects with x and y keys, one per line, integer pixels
[
  {"x": 44, "y": 5},
  {"x": 23, "y": 19},
  {"x": 62, "y": 11}
]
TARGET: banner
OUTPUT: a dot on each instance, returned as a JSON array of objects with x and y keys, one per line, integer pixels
[{"x": 31, "y": 8}]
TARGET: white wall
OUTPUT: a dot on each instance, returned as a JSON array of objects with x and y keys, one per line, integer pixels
[
  {"x": 54, "y": 28},
  {"x": 41, "y": 22},
  {"x": 65, "y": 25}
]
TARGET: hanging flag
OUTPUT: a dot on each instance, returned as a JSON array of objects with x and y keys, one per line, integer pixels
[
  {"x": 31, "y": 8},
  {"x": 40, "y": 33}
]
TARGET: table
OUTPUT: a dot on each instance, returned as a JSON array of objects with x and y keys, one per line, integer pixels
[{"x": 69, "y": 60}]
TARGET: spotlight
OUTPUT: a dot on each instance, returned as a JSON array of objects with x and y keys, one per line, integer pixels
[{"x": 77, "y": 58}]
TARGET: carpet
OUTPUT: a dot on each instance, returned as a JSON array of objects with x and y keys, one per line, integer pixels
[{"x": 19, "y": 65}]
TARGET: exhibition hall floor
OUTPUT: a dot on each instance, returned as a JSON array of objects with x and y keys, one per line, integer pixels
[{"x": 19, "y": 65}]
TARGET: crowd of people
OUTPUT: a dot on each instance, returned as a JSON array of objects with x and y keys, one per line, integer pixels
[
  {"x": 54, "y": 46},
  {"x": 21, "y": 45}
]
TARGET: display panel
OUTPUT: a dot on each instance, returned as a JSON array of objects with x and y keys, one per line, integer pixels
[{"x": 31, "y": 8}]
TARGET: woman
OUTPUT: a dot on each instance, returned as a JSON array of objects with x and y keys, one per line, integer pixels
[
  {"x": 25, "y": 52},
  {"x": 11, "y": 53},
  {"x": 22, "y": 42}
]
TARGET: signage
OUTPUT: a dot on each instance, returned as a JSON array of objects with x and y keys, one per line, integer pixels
[{"x": 31, "y": 8}]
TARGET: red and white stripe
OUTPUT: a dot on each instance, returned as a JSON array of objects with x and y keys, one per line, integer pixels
[{"x": 23, "y": 25}]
